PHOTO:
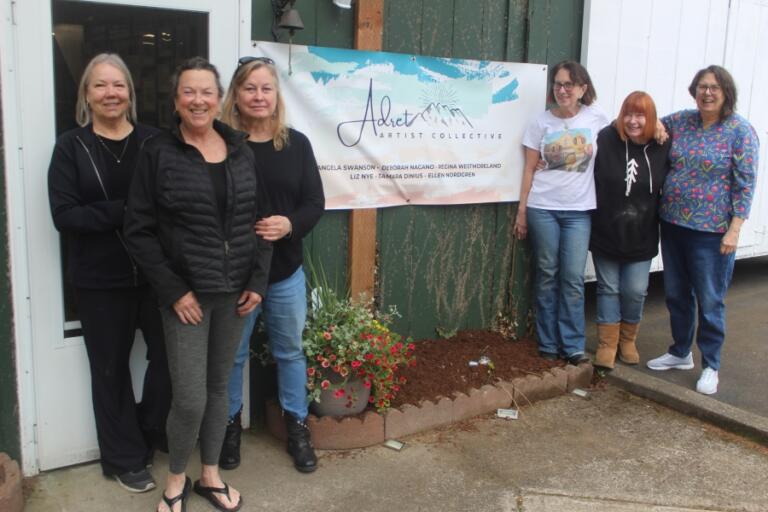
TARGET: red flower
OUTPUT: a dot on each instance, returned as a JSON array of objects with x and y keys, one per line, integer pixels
[
  {"x": 367, "y": 384},
  {"x": 310, "y": 371},
  {"x": 356, "y": 364},
  {"x": 325, "y": 384},
  {"x": 327, "y": 335},
  {"x": 368, "y": 357},
  {"x": 326, "y": 363},
  {"x": 411, "y": 346},
  {"x": 338, "y": 393}
]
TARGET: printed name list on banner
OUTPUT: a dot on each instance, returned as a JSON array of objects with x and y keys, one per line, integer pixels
[{"x": 390, "y": 129}]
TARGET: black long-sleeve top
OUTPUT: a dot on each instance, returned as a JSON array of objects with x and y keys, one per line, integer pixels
[
  {"x": 292, "y": 181},
  {"x": 625, "y": 225},
  {"x": 87, "y": 190}
]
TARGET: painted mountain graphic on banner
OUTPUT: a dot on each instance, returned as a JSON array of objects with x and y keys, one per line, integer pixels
[{"x": 437, "y": 114}]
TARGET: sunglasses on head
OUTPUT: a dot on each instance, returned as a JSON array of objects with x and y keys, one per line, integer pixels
[{"x": 248, "y": 59}]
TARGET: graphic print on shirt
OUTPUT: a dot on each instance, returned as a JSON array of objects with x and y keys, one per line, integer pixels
[{"x": 568, "y": 150}]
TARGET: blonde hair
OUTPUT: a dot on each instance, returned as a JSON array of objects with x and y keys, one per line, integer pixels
[
  {"x": 231, "y": 115},
  {"x": 82, "y": 110}
]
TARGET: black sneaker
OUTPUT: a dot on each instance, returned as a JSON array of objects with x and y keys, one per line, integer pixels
[
  {"x": 577, "y": 359},
  {"x": 549, "y": 356},
  {"x": 136, "y": 481}
]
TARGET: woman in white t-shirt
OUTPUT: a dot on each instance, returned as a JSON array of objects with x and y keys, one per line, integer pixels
[{"x": 555, "y": 204}]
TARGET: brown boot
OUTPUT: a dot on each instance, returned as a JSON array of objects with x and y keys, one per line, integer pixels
[
  {"x": 608, "y": 341},
  {"x": 627, "y": 348}
]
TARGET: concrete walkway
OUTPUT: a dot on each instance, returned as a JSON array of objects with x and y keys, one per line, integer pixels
[
  {"x": 741, "y": 403},
  {"x": 609, "y": 452}
]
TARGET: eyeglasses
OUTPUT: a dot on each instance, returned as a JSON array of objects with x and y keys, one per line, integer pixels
[
  {"x": 568, "y": 86},
  {"x": 713, "y": 89},
  {"x": 248, "y": 59}
]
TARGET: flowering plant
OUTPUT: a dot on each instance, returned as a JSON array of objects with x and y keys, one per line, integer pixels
[{"x": 344, "y": 339}]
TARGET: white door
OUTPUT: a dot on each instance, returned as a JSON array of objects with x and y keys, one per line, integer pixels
[
  {"x": 745, "y": 58},
  {"x": 57, "y": 426},
  {"x": 657, "y": 46}
]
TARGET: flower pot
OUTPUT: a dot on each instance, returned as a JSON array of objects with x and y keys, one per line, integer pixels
[{"x": 352, "y": 401}]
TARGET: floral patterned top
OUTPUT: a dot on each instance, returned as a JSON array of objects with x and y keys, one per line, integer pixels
[{"x": 712, "y": 171}]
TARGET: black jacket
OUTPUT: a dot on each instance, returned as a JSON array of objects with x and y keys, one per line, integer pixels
[
  {"x": 295, "y": 190},
  {"x": 91, "y": 217},
  {"x": 625, "y": 225},
  {"x": 172, "y": 226}
]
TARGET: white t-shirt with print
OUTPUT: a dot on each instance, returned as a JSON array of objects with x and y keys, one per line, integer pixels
[{"x": 568, "y": 146}]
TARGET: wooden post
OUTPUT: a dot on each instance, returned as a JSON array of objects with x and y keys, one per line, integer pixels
[{"x": 369, "y": 23}]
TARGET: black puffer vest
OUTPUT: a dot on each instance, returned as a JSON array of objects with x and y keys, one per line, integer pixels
[{"x": 172, "y": 207}]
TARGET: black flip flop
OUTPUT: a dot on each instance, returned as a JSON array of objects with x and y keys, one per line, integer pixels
[
  {"x": 209, "y": 493},
  {"x": 170, "y": 502}
]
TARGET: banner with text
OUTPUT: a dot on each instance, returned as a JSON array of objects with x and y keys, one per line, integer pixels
[{"x": 391, "y": 129}]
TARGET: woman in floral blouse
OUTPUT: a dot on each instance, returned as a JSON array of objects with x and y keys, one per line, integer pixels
[{"x": 706, "y": 198}]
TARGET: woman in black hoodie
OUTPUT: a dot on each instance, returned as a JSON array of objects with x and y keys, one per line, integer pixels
[
  {"x": 630, "y": 167},
  {"x": 88, "y": 180}
]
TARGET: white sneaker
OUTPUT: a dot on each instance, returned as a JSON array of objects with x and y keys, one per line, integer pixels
[
  {"x": 708, "y": 381},
  {"x": 670, "y": 362}
]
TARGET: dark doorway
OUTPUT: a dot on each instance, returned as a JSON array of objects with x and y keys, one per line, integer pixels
[{"x": 151, "y": 41}]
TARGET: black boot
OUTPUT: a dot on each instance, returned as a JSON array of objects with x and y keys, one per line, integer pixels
[
  {"x": 300, "y": 445},
  {"x": 230, "y": 450}
]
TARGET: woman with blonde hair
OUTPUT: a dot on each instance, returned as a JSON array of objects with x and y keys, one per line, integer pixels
[
  {"x": 88, "y": 181},
  {"x": 290, "y": 176}
]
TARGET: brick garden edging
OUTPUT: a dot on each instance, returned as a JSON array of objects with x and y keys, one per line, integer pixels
[
  {"x": 371, "y": 428},
  {"x": 11, "y": 497}
]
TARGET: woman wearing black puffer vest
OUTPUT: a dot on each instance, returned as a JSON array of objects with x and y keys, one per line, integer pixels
[{"x": 189, "y": 225}]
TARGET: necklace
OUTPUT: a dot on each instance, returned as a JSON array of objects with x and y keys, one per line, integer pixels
[{"x": 118, "y": 159}]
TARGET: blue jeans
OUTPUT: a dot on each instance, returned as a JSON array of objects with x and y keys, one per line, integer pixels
[
  {"x": 560, "y": 241},
  {"x": 621, "y": 289},
  {"x": 696, "y": 276},
  {"x": 285, "y": 312}
]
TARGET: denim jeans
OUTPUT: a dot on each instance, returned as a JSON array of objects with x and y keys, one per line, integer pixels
[
  {"x": 696, "y": 276},
  {"x": 285, "y": 312},
  {"x": 560, "y": 241},
  {"x": 621, "y": 289}
]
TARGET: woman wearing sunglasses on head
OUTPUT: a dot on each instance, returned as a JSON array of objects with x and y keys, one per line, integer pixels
[{"x": 290, "y": 176}]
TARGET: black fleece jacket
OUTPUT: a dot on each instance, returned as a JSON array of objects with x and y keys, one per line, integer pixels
[
  {"x": 295, "y": 191},
  {"x": 173, "y": 228},
  {"x": 91, "y": 216},
  {"x": 625, "y": 225}
]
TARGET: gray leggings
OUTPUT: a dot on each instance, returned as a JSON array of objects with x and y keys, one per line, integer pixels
[{"x": 200, "y": 359}]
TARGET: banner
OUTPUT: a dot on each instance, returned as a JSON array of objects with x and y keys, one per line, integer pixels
[{"x": 392, "y": 129}]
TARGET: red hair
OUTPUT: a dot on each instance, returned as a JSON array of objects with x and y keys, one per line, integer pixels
[{"x": 638, "y": 102}]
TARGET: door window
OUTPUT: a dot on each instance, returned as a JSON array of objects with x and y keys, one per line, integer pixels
[{"x": 151, "y": 41}]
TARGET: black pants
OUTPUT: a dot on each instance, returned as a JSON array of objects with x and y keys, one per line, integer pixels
[{"x": 110, "y": 319}]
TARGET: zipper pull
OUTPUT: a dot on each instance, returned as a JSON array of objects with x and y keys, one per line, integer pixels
[{"x": 226, "y": 248}]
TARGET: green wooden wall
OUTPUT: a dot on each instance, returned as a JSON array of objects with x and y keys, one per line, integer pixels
[
  {"x": 453, "y": 267},
  {"x": 9, "y": 410}
]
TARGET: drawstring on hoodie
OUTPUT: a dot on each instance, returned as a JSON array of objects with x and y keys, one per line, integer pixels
[{"x": 631, "y": 176}]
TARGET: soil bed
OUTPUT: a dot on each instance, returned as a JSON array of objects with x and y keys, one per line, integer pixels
[{"x": 442, "y": 366}]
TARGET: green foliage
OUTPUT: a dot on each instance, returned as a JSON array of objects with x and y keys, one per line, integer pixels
[{"x": 345, "y": 339}]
